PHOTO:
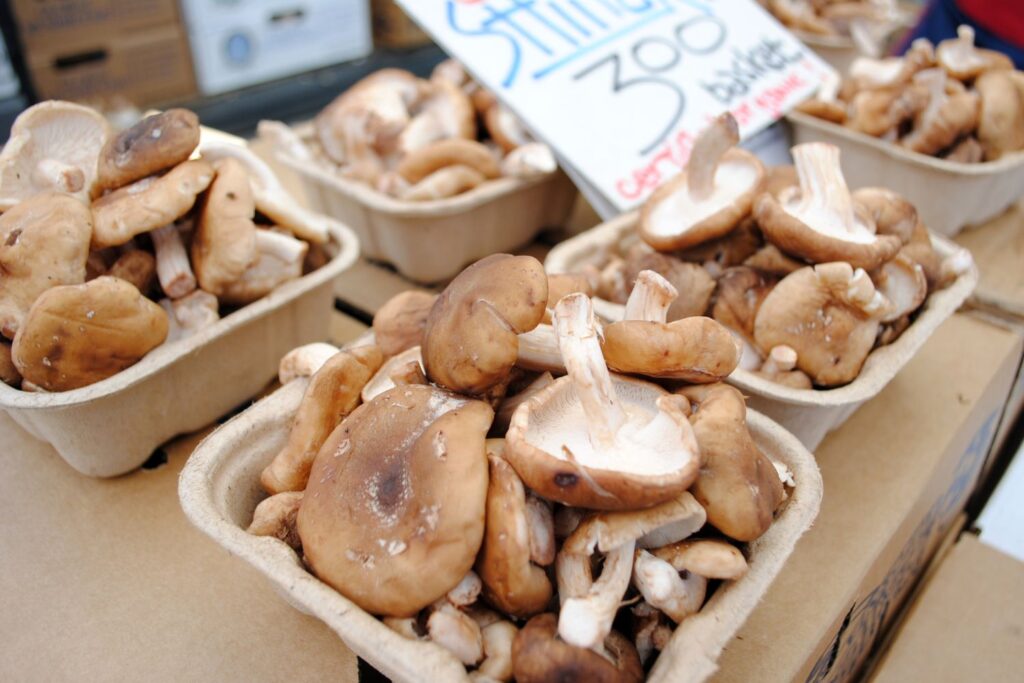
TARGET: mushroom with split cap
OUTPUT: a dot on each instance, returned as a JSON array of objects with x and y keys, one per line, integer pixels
[
  {"x": 945, "y": 118},
  {"x": 695, "y": 349},
  {"x": 891, "y": 212},
  {"x": 1001, "y": 118},
  {"x": 497, "y": 664},
  {"x": 190, "y": 314},
  {"x": 148, "y": 204},
  {"x": 470, "y": 341},
  {"x": 513, "y": 574},
  {"x": 738, "y": 485},
  {"x": 903, "y": 283},
  {"x": 540, "y": 656},
  {"x": 427, "y": 160},
  {"x": 44, "y": 242},
  {"x": 332, "y": 393},
  {"x": 53, "y": 145},
  {"x": 692, "y": 282},
  {"x": 304, "y": 361},
  {"x": 445, "y": 111},
  {"x": 384, "y": 378},
  {"x": 961, "y": 60},
  {"x": 398, "y": 324},
  {"x": 224, "y": 244},
  {"x": 780, "y": 367},
  {"x": 529, "y": 160},
  {"x": 279, "y": 260},
  {"x": 400, "y": 484},
  {"x": 269, "y": 195},
  {"x": 275, "y": 517},
  {"x": 137, "y": 267},
  {"x": 598, "y": 440},
  {"x": 829, "y": 315},
  {"x": 707, "y": 199},
  {"x": 154, "y": 144},
  {"x": 75, "y": 335},
  {"x": 173, "y": 268},
  {"x": 819, "y": 221}
]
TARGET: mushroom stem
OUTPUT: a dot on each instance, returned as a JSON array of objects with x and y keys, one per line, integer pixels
[
  {"x": 538, "y": 350},
  {"x": 280, "y": 246},
  {"x": 651, "y": 298},
  {"x": 586, "y": 621},
  {"x": 456, "y": 632},
  {"x": 581, "y": 352},
  {"x": 58, "y": 175},
  {"x": 676, "y": 595},
  {"x": 823, "y": 189},
  {"x": 172, "y": 265},
  {"x": 710, "y": 145},
  {"x": 781, "y": 358},
  {"x": 497, "y": 664}
]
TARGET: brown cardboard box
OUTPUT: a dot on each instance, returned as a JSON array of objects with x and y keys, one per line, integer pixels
[
  {"x": 143, "y": 67},
  {"x": 69, "y": 24},
  {"x": 896, "y": 476},
  {"x": 966, "y": 625}
]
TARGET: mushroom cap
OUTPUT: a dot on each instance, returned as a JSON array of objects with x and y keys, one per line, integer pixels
[
  {"x": 770, "y": 261},
  {"x": 707, "y": 557},
  {"x": 951, "y": 112},
  {"x": 399, "y": 486},
  {"x": 505, "y": 128},
  {"x": 729, "y": 250},
  {"x": 738, "y": 486},
  {"x": 44, "y": 242},
  {"x": 1001, "y": 118},
  {"x": 550, "y": 448},
  {"x": 540, "y": 656},
  {"x": 75, "y": 335},
  {"x": 738, "y": 296},
  {"x": 512, "y": 583},
  {"x": 810, "y": 310},
  {"x": 148, "y": 204},
  {"x": 419, "y": 164},
  {"x": 382, "y": 381},
  {"x": 470, "y": 341},
  {"x": 224, "y": 243},
  {"x": 891, "y": 212},
  {"x": 53, "y": 145},
  {"x": 920, "y": 250},
  {"x": 671, "y": 219},
  {"x": 442, "y": 183},
  {"x": 696, "y": 349},
  {"x": 963, "y": 61},
  {"x": 562, "y": 284},
  {"x": 652, "y": 527},
  {"x": 398, "y": 324},
  {"x": 444, "y": 112},
  {"x": 903, "y": 283},
  {"x": 279, "y": 259},
  {"x": 153, "y": 144},
  {"x": 137, "y": 267}
]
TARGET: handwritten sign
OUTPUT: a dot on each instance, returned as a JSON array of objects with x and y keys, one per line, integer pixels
[{"x": 620, "y": 88}]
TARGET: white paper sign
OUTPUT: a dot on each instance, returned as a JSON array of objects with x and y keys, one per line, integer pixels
[{"x": 620, "y": 88}]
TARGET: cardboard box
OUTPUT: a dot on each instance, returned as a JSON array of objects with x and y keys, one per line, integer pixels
[
  {"x": 965, "y": 626},
  {"x": 897, "y": 475},
  {"x": 144, "y": 67},
  {"x": 69, "y": 24}
]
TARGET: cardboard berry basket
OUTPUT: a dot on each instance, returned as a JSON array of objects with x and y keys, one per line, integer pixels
[
  {"x": 808, "y": 413},
  {"x": 431, "y": 241},
  {"x": 948, "y": 195},
  {"x": 219, "y": 489}
]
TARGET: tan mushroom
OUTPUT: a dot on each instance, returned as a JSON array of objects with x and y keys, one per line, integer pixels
[
  {"x": 470, "y": 342},
  {"x": 400, "y": 485},
  {"x": 530, "y": 160},
  {"x": 148, "y": 204},
  {"x": 275, "y": 517},
  {"x": 304, "y": 361},
  {"x": 224, "y": 244},
  {"x": 75, "y": 335},
  {"x": 738, "y": 297},
  {"x": 418, "y": 165},
  {"x": 769, "y": 260},
  {"x": 963, "y": 61},
  {"x": 891, "y": 212},
  {"x": 53, "y": 145},
  {"x": 738, "y": 485},
  {"x": 442, "y": 183},
  {"x": 920, "y": 250},
  {"x": 154, "y": 144},
  {"x": 676, "y": 595},
  {"x": 44, "y": 242},
  {"x": 710, "y": 197},
  {"x": 279, "y": 260},
  {"x": 1001, "y": 118},
  {"x": 819, "y": 221},
  {"x": 497, "y": 664},
  {"x": 539, "y": 656},
  {"x": 596, "y": 440},
  {"x": 384, "y": 378},
  {"x": 190, "y": 314},
  {"x": 946, "y": 118},
  {"x": 333, "y": 392},
  {"x": 880, "y": 112},
  {"x": 903, "y": 283},
  {"x": 707, "y": 557},
  {"x": 444, "y": 112},
  {"x": 829, "y": 315},
  {"x": 967, "y": 151},
  {"x": 694, "y": 285},
  {"x": 800, "y": 14},
  {"x": 398, "y": 324}
]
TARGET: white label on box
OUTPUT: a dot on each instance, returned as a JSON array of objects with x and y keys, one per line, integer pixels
[{"x": 620, "y": 88}]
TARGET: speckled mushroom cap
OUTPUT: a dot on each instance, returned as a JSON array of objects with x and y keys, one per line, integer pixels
[
  {"x": 153, "y": 144},
  {"x": 393, "y": 515}
]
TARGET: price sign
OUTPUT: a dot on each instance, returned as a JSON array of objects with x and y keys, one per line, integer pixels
[{"x": 620, "y": 88}]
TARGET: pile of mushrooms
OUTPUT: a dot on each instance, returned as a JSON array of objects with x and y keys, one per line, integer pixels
[
  {"x": 869, "y": 23},
  {"x": 541, "y": 525},
  {"x": 808, "y": 276},
  {"x": 114, "y": 244},
  {"x": 955, "y": 101},
  {"x": 416, "y": 139}
]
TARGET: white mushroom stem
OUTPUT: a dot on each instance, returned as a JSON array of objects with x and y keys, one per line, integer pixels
[
  {"x": 823, "y": 191},
  {"x": 585, "y": 621},
  {"x": 466, "y": 591},
  {"x": 781, "y": 358},
  {"x": 280, "y": 246},
  {"x": 172, "y": 265},
  {"x": 58, "y": 175},
  {"x": 538, "y": 350},
  {"x": 497, "y": 664},
  {"x": 934, "y": 80},
  {"x": 456, "y": 632},
  {"x": 712, "y": 142},
  {"x": 304, "y": 361},
  {"x": 540, "y": 524},
  {"x": 196, "y": 311},
  {"x": 651, "y": 298},
  {"x": 677, "y": 595},
  {"x": 581, "y": 352}
]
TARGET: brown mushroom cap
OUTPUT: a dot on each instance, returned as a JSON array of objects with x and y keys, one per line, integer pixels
[
  {"x": 1001, "y": 118},
  {"x": 137, "y": 267},
  {"x": 332, "y": 393},
  {"x": 738, "y": 486},
  {"x": 75, "y": 335},
  {"x": 275, "y": 516},
  {"x": 769, "y": 260},
  {"x": 148, "y": 204},
  {"x": 539, "y": 656},
  {"x": 947, "y": 116},
  {"x": 692, "y": 282},
  {"x": 512, "y": 583},
  {"x": 819, "y": 221},
  {"x": 729, "y": 250},
  {"x": 739, "y": 295},
  {"x": 44, "y": 242},
  {"x": 224, "y": 244},
  {"x": 444, "y": 111},
  {"x": 153, "y": 144},
  {"x": 694, "y": 349},
  {"x": 398, "y": 487},
  {"x": 707, "y": 199},
  {"x": 891, "y": 212},
  {"x": 417, "y": 165},
  {"x": 470, "y": 341},
  {"x": 280, "y": 258},
  {"x": 398, "y": 324},
  {"x": 8, "y": 373},
  {"x": 920, "y": 250}
]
